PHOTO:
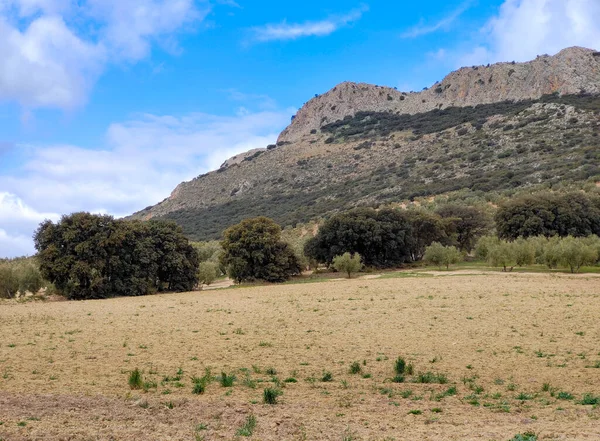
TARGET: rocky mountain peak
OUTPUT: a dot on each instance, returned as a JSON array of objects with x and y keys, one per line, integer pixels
[{"x": 572, "y": 70}]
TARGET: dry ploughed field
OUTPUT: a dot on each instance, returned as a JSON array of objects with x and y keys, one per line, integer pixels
[{"x": 493, "y": 355}]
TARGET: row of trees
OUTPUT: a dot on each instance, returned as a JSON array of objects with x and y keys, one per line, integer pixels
[
  {"x": 90, "y": 256},
  {"x": 387, "y": 238},
  {"x": 554, "y": 252}
]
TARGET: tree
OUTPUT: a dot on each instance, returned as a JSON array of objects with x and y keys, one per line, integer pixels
[
  {"x": 502, "y": 254},
  {"x": 207, "y": 273},
  {"x": 253, "y": 250},
  {"x": 30, "y": 279},
  {"x": 440, "y": 255},
  {"x": 574, "y": 253},
  {"x": 484, "y": 244},
  {"x": 380, "y": 237},
  {"x": 464, "y": 224},
  {"x": 9, "y": 282},
  {"x": 523, "y": 251},
  {"x": 90, "y": 256},
  {"x": 426, "y": 228},
  {"x": 347, "y": 263},
  {"x": 548, "y": 214}
]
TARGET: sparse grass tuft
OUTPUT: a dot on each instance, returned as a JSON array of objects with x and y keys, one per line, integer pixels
[
  {"x": 430, "y": 377},
  {"x": 327, "y": 377},
  {"x": 226, "y": 380},
  {"x": 248, "y": 428},
  {"x": 589, "y": 399},
  {"x": 270, "y": 395},
  {"x": 564, "y": 396},
  {"x": 527, "y": 436},
  {"x": 355, "y": 368},
  {"x": 135, "y": 379}
]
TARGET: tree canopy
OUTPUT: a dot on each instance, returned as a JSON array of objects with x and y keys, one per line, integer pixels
[
  {"x": 382, "y": 238},
  {"x": 90, "y": 256},
  {"x": 253, "y": 250},
  {"x": 548, "y": 214}
]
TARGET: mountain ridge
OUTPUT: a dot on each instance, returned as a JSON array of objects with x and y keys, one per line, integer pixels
[{"x": 395, "y": 145}]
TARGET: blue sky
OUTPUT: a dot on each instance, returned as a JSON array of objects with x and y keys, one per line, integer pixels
[{"x": 107, "y": 105}]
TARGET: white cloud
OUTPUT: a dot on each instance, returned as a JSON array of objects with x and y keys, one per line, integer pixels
[
  {"x": 46, "y": 65},
  {"x": 293, "y": 31},
  {"x": 18, "y": 221},
  {"x": 53, "y": 51},
  {"x": 526, "y": 28},
  {"x": 443, "y": 24},
  {"x": 132, "y": 25},
  {"x": 140, "y": 164}
]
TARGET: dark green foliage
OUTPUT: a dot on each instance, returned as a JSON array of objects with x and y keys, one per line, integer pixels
[
  {"x": 430, "y": 377},
  {"x": 226, "y": 380},
  {"x": 527, "y": 436},
  {"x": 464, "y": 225},
  {"x": 90, "y": 256},
  {"x": 270, "y": 395},
  {"x": 427, "y": 227},
  {"x": 199, "y": 387},
  {"x": 549, "y": 214},
  {"x": 253, "y": 250},
  {"x": 327, "y": 377},
  {"x": 355, "y": 368},
  {"x": 400, "y": 366},
  {"x": 135, "y": 379},
  {"x": 589, "y": 399},
  {"x": 380, "y": 237}
]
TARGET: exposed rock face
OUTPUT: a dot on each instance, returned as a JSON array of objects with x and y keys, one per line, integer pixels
[
  {"x": 571, "y": 71},
  {"x": 318, "y": 167}
]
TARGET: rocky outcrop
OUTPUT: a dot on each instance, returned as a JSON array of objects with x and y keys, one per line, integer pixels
[{"x": 571, "y": 71}]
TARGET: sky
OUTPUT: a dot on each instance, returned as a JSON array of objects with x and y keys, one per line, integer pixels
[{"x": 107, "y": 105}]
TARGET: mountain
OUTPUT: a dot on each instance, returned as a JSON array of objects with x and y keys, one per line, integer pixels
[{"x": 485, "y": 128}]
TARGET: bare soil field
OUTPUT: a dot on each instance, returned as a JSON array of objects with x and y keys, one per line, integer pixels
[{"x": 514, "y": 353}]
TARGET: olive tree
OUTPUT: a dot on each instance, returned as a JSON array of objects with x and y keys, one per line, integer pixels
[{"x": 348, "y": 263}]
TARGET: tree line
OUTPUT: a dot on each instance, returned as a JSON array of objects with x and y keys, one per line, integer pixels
[{"x": 87, "y": 256}]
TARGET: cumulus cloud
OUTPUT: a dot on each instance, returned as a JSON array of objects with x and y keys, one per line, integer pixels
[
  {"x": 18, "y": 222},
  {"x": 293, "y": 31},
  {"x": 53, "y": 51},
  {"x": 139, "y": 164},
  {"x": 523, "y": 29},
  {"x": 46, "y": 65}
]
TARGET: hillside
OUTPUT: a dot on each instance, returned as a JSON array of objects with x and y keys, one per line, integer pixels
[{"x": 507, "y": 125}]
